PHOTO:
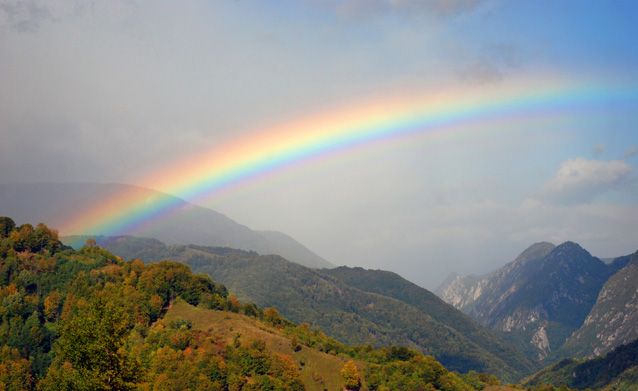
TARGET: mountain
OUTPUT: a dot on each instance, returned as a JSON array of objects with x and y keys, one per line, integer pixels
[
  {"x": 617, "y": 370},
  {"x": 539, "y": 299},
  {"x": 393, "y": 285},
  {"x": 188, "y": 223},
  {"x": 349, "y": 311},
  {"x": 614, "y": 318},
  {"x": 464, "y": 292},
  {"x": 87, "y": 320}
]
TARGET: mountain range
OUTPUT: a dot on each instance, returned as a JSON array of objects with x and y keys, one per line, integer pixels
[
  {"x": 554, "y": 305},
  {"x": 552, "y": 300},
  {"x": 54, "y": 203}
]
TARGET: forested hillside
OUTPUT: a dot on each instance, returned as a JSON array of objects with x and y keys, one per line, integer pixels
[
  {"x": 617, "y": 370},
  {"x": 87, "y": 320},
  {"x": 352, "y": 312}
]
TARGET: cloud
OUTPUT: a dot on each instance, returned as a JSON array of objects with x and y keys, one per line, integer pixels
[
  {"x": 598, "y": 150},
  {"x": 492, "y": 63},
  {"x": 437, "y": 8},
  {"x": 631, "y": 152},
  {"x": 32, "y": 15},
  {"x": 23, "y": 15},
  {"x": 580, "y": 179}
]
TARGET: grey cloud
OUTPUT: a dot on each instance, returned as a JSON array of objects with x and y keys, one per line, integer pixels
[
  {"x": 631, "y": 152},
  {"x": 26, "y": 16},
  {"x": 492, "y": 63},
  {"x": 598, "y": 150},
  {"x": 580, "y": 180},
  {"x": 23, "y": 16},
  {"x": 436, "y": 8},
  {"x": 481, "y": 71}
]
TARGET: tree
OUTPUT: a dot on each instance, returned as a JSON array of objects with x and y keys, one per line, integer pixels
[
  {"x": 15, "y": 373},
  {"x": 52, "y": 305},
  {"x": 351, "y": 376},
  {"x": 6, "y": 226},
  {"x": 92, "y": 341}
]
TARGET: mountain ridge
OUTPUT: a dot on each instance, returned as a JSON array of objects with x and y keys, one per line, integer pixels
[
  {"x": 187, "y": 223},
  {"x": 343, "y": 311},
  {"x": 538, "y": 299},
  {"x": 613, "y": 318}
]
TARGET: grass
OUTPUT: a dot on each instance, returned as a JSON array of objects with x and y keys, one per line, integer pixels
[{"x": 319, "y": 371}]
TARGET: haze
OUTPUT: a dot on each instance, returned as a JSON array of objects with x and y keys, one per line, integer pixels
[{"x": 112, "y": 91}]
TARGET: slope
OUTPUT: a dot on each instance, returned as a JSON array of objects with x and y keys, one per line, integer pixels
[
  {"x": 614, "y": 318},
  {"x": 319, "y": 371},
  {"x": 617, "y": 370},
  {"x": 341, "y": 310},
  {"x": 188, "y": 223},
  {"x": 87, "y": 320},
  {"x": 392, "y": 285}
]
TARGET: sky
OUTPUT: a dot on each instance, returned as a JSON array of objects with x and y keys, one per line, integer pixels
[{"x": 114, "y": 91}]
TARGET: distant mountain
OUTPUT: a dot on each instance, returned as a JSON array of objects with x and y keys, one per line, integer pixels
[
  {"x": 464, "y": 292},
  {"x": 614, "y": 318},
  {"x": 539, "y": 299},
  {"x": 188, "y": 223},
  {"x": 618, "y": 370},
  {"x": 372, "y": 310}
]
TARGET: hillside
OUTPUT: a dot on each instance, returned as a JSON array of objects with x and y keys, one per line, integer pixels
[
  {"x": 392, "y": 285},
  {"x": 55, "y": 202},
  {"x": 617, "y": 370},
  {"x": 539, "y": 299},
  {"x": 614, "y": 318},
  {"x": 343, "y": 311},
  {"x": 87, "y": 320}
]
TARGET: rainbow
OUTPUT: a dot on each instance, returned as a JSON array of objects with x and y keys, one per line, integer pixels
[{"x": 267, "y": 151}]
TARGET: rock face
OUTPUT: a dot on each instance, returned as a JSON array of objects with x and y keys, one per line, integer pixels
[
  {"x": 613, "y": 320},
  {"x": 466, "y": 292},
  {"x": 539, "y": 299}
]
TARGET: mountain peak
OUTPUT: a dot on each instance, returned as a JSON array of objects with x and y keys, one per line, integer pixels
[
  {"x": 570, "y": 249},
  {"x": 535, "y": 251}
]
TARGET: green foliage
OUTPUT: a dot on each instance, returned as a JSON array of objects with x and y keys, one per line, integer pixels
[
  {"x": 352, "y": 305},
  {"x": 614, "y": 368},
  {"x": 87, "y": 320},
  {"x": 67, "y": 317},
  {"x": 92, "y": 341},
  {"x": 6, "y": 226}
]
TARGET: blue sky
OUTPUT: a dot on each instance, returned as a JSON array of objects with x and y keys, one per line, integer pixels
[{"x": 140, "y": 83}]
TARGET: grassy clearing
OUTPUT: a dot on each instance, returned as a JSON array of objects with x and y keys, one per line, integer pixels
[{"x": 319, "y": 370}]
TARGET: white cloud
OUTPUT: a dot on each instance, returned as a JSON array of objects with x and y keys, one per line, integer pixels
[{"x": 581, "y": 179}]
